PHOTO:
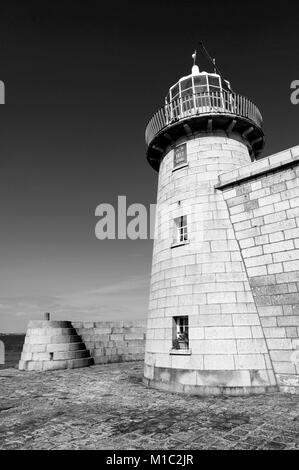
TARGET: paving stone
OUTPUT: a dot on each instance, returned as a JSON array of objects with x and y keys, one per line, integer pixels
[{"x": 108, "y": 407}]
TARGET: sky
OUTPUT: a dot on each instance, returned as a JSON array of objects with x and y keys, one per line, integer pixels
[{"x": 82, "y": 79}]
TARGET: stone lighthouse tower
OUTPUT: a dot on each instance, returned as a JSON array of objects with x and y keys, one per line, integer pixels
[{"x": 204, "y": 334}]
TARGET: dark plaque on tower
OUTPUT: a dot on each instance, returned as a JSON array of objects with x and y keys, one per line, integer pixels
[{"x": 180, "y": 155}]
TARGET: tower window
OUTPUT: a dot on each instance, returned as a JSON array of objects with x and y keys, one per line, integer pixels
[
  {"x": 181, "y": 229},
  {"x": 181, "y": 332},
  {"x": 175, "y": 90},
  {"x": 214, "y": 81},
  {"x": 200, "y": 84},
  {"x": 180, "y": 155}
]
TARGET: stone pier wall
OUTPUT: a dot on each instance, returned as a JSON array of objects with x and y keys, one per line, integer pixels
[
  {"x": 120, "y": 341},
  {"x": 263, "y": 202}
]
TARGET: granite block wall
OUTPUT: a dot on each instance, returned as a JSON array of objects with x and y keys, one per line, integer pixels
[
  {"x": 263, "y": 203},
  {"x": 120, "y": 341}
]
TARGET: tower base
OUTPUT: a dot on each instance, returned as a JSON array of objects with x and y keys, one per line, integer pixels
[{"x": 209, "y": 383}]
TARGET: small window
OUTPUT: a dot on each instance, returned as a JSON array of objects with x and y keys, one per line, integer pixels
[
  {"x": 214, "y": 81},
  {"x": 214, "y": 89},
  {"x": 200, "y": 80},
  {"x": 180, "y": 155},
  {"x": 186, "y": 84},
  {"x": 181, "y": 332},
  {"x": 175, "y": 91},
  {"x": 181, "y": 229},
  {"x": 200, "y": 84},
  {"x": 188, "y": 92}
]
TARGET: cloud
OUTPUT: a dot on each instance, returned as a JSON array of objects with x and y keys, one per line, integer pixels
[
  {"x": 111, "y": 291},
  {"x": 125, "y": 299}
]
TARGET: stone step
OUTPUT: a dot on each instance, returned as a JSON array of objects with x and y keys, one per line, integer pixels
[
  {"x": 64, "y": 355},
  {"x": 55, "y": 365},
  {"x": 52, "y": 339},
  {"x": 31, "y": 348},
  {"x": 76, "y": 363},
  {"x": 79, "y": 346},
  {"x": 58, "y": 355},
  {"x": 51, "y": 331},
  {"x": 49, "y": 324}
]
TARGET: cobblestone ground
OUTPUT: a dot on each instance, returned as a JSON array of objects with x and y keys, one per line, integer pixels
[{"x": 108, "y": 407}]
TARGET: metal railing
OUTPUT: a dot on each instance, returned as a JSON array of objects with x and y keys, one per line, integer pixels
[{"x": 223, "y": 102}]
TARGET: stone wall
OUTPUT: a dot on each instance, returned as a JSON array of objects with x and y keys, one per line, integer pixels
[
  {"x": 120, "y": 341},
  {"x": 263, "y": 202}
]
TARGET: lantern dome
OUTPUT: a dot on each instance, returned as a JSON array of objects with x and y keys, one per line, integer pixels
[{"x": 203, "y": 102}]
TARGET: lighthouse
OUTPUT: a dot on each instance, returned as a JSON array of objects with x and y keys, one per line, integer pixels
[{"x": 204, "y": 334}]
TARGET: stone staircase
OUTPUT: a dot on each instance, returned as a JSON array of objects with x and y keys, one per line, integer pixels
[{"x": 53, "y": 345}]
